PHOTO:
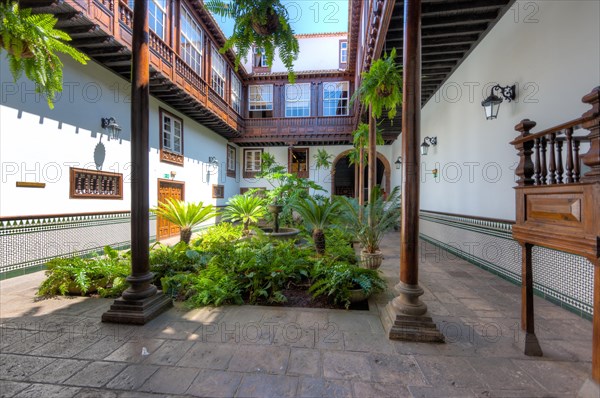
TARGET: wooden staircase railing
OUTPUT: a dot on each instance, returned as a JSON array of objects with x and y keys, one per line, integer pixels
[{"x": 557, "y": 207}]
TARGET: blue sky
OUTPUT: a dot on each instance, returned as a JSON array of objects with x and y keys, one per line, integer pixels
[{"x": 308, "y": 16}]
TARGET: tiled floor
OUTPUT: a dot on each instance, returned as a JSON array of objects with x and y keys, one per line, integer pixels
[{"x": 59, "y": 347}]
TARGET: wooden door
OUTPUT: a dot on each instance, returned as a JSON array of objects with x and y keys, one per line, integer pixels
[{"x": 168, "y": 189}]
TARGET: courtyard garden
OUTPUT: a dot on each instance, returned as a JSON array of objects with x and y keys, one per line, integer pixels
[{"x": 289, "y": 245}]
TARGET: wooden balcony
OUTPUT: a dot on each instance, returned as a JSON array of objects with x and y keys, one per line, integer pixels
[
  {"x": 323, "y": 130},
  {"x": 103, "y": 30}
]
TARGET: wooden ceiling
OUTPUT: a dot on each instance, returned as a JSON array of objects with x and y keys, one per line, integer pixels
[{"x": 451, "y": 29}]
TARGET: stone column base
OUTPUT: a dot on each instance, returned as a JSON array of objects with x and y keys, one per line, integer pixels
[
  {"x": 410, "y": 328},
  {"x": 137, "y": 312},
  {"x": 590, "y": 389}
]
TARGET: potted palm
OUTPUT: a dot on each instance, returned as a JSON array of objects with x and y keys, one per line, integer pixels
[
  {"x": 318, "y": 215},
  {"x": 186, "y": 215},
  {"x": 32, "y": 43},
  {"x": 246, "y": 208},
  {"x": 261, "y": 23},
  {"x": 383, "y": 215}
]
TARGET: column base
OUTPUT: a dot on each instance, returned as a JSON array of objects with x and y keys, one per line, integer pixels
[
  {"x": 532, "y": 346},
  {"x": 137, "y": 312},
  {"x": 404, "y": 317},
  {"x": 589, "y": 389}
]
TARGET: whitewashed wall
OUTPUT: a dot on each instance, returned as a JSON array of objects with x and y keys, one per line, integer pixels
[
  {"x": 38, "y": 144},
  {"x": 551, "y": 51},
  {"x": 316, "y": 53},
  {"x": 320, "y": 176}
]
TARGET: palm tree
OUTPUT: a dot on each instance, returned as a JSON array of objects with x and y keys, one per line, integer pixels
[
  {"x": 186, "y": 215},
  {"x": 245, "y": 208},
  {"x": 318, "y": 215}
]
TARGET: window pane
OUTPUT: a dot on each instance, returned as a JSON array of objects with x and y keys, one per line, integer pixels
[
  {"x": 236, "y": 92},
  {"x": 260, "y": 97},
  {"x": 218, "y": 72},
  {"x": 335, "y": 99},
  {"x": 297, "y": 100},
  {"x": 191, "y": 41}
]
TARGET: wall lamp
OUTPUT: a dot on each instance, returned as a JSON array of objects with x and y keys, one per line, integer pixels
[
  {"x": 213, "y": 160},
  {"x": 492, "y": 103},
  {"x": 398, "y": 162},
  {"x": 110, "y": 124},
  {"x": 425, "y": 146}
]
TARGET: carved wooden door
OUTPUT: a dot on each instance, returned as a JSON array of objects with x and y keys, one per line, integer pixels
[{"x": 168, "y": 189}]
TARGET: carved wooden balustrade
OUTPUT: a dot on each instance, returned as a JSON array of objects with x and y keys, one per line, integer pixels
[{"x": 559, "y": 208}]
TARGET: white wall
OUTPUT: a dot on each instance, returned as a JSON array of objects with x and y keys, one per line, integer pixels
[
  {"x": 38, "y": 144},
  {"x": 316, "y": 53},
  {"x": 321, "y": 176},
  {"x": 552, "y": 54}
]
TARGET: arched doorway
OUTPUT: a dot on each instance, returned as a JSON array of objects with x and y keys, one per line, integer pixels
[{"x": 344, "y": 179}]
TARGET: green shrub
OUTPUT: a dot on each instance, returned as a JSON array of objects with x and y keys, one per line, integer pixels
[
  {"x": 169, "y": 260},
  {"x": 339, "y": 246},
  {"x": 212, "y": 238},
  {"x": 75, "y": 275},
  {"x": 336, "y": 281}
]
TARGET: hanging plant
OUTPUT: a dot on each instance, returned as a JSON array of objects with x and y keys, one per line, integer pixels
[
  {"x": 31, "y": 43},
  {"x": 262, "y": 24},
  {"x": 381, "y": 86}
]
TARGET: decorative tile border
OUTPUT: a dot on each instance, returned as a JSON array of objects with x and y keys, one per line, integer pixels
[
  {"x": 29, "y": 242},
  {"x": 561, "y": 278}
]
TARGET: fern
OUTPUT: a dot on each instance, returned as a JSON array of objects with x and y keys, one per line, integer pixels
[
  {"x": 381, "y": 86},
  {"x": 245, "y": 13},
  {"x": 32, "y": 44}
]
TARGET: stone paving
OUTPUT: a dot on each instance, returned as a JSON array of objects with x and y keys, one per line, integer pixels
[{"x": 59, "y": 348}]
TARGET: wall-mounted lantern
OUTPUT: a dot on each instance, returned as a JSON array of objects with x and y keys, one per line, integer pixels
[
  {"x": 492, "y": 103},
  {"x": 111, "y": 126},
  {"x": 398, "y": 163},
  {"x": 427, "y": 142}
]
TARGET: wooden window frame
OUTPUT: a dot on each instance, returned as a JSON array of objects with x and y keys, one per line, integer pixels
[
  {"x": 184, "y": 9},
  {"x": 216, "y": 60},
  {"x": 287, "y": 101},
  {"x": 342, "y": 64},
  {"x": 167, "y": 155},
  {"x": 218, "y": 191},
  {"x": 347, "y": 98},
  {"x": 262, "y": 86},
  {"x": 260, "y": 68},
  {"x": 303, "y": 173},
  {"x": 251, "y": 173},
  {"x": 231, "y": 172},
  {"x": 72, "y": 184}
]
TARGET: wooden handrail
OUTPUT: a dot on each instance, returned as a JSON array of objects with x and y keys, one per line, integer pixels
[{"x": 556, "y": 129}]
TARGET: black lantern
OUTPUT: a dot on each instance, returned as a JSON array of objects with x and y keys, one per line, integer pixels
[
  {"x": 425, "y": 145},
  {"x": 110, "y": 124},
  {"x": 492, "y": 103},
  {"x": 398, "y": 162}
]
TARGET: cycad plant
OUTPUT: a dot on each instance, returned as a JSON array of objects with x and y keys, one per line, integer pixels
[
  {"x": 186, "y": 215},
  {"x": 261, "y": 23},
  {"x": 248, "y": 208},
  {"x": 32, "y": 44},
  {"x": 318, "y": 215}
]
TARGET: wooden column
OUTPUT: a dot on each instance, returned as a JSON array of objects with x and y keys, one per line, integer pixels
[
  {"x": 140, "y": 302},
  {"x": 361, "y": 176},
  {"x": 532, "y": 346},
  {"x": 411, "y": 137},
  {"x": 596, "y": 332},
  {"x": 372, "y": 154},
  {"x": 406, "y": 312}
]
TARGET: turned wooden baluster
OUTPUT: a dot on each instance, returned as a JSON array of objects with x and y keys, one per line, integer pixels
[
  {"x": 525, "y": 168},
  {"x": 592, "y": 157},
  {"x": 569, "y": 138},
  {"x": 536, "y": 164},
  {"x": 552, "y": 160},
  {"x": 559, "y": 162},
  {"x": 576, "y": 165},
  {"x": 544, "y": 170}
]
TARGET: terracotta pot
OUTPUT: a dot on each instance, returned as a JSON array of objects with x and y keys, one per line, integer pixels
[
  {"x": 357, "y": 295},
  {"x": 276, "y": 209},
  {"x": 270, "y": 27},
  {"x": 26, "y": 51},
  {"x": 371, "y": 260}
]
